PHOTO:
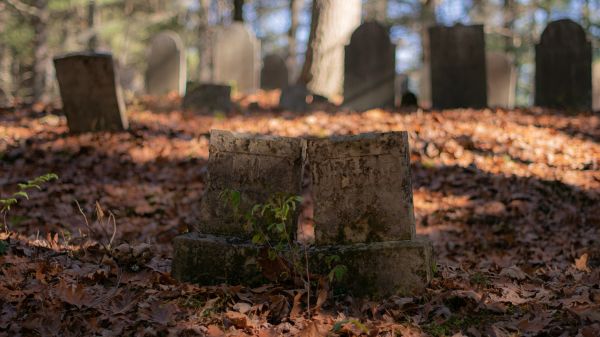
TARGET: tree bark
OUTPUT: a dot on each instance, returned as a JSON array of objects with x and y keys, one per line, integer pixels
[
  {"x": 204, "y": 72},
  {"x": 292, "y": 57},
  {"x": 41, "y": 67},
  {"x": 332, "y": 23},
  {"x": 93, "y": 39},
  {"x": 238, "y": 10},
  {"x": 427, "y": 19}
]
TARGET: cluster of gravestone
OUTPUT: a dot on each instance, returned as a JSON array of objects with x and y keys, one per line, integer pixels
[
  {"x": 461, "y": 73},
  {"x": 363, "y": 210}
]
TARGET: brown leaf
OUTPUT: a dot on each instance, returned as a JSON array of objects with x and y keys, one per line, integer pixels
[
  {"x": 581, "y": 263},
  {"x": 313, "y": 329}
]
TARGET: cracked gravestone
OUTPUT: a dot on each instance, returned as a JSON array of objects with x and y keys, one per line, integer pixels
[
  {"x": 563, "y": 67},
  {"x": 501, "y": 80},
  {"x": 363, "y": 212},
  {"x": 166, "y": 70},
  {"x": 457, "y": 67},
  {"x": 274, "y": 73},
  {"x": 258, "y": 167},
  {"x": 369, "y": 68},
  {"x": 91, "y": 96}
]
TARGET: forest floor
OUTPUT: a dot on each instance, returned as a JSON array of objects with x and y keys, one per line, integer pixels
[{"x": 510, "y": 199}]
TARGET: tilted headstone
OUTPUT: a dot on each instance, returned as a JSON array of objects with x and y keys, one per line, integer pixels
[
  {"x": 166, "y": 70},
  {"x": 91, "y": 96},
  {"x": 274, "y": 73},
  {"x": 236, "y": 58},
  {"x": 363, "y": 211},
  {"x": 458, "y": 78},
  {"x": 596, "y": 86},
  {"x": 369, "y": 68},
  {"x": 501, "y": 80},
  {"x": 207, "y": 98},
  {"x": 563, "y": 67}
]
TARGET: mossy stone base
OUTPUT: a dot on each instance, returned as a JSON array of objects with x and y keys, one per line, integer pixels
[{"x": 374, "y": 269}]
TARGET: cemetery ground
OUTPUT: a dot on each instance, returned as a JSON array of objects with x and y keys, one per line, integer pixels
[{"x": 510, "y": 199}]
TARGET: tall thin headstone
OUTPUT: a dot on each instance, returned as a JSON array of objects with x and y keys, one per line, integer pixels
[
  {"x": 90, "y": 92},
  {"x": 236, "y": 58},
  {"x": 369, "y": 68},
  {"x": 458, "y": 78},
  {"x": 501, "y": 80},
  {"x": 166, "y": 70},
  {"x": 563, "y": 67},
  {"x": 274, "y": 73}
]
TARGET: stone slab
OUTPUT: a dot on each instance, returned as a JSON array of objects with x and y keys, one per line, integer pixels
[
  {"x": 257, "y": 166},
  {"x": 563, "y": 67},
  {"x": 376, "y": 269},
  {"x": 207, "y": 98},
  {"x": 458, "y": 71},
  {"x": 166, "y": 71},
  {"x": 90, "y": 92},
  {"x": 361, "y": 188}
]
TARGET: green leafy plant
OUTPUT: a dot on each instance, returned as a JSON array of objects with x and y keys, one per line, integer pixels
[{"x": 22, "y": 193}]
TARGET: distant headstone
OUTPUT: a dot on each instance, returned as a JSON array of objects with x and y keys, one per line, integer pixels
[
  {"x": 236, "y": 58},
  {"x": 207, "y": 98},
  {"x": 274, "y": 73},
  {"x": 369, "y": 68},
  {"x": 91, "y": 96},
  {"x": 563, "y": 67},
  {"x": 166, "y": 70},
  {"x": 596, "y": 85},
  {"x": 409, "y": 99},
  {"x": 293, "y": 98},
  {"x": 458, "y": 78},
  {"x": 501, "y": 80}
]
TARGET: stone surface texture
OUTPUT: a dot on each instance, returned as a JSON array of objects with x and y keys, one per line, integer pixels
[
  {"x": 293, "y": 98},
  {"x": 458, "y": 71},
  {"x": 274, "y": 73},
  {"x": 563, "y": 67},
  {"x": 91, "y": 96},
  {"x": 361, "y": 188},
  {"x": 256, "y": 166},
  {"x": 207, "y": 98},
  {"x": 236, "y": 58},
  {"x": 166, "y": 71},
  {"x": 369, "y": 68},
  {"x": 501, "y": 80}
]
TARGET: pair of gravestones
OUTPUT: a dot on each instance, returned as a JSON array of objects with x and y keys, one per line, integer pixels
[
  {"x": 363, "y": 209},
  {"x": 461, "y": 71}
]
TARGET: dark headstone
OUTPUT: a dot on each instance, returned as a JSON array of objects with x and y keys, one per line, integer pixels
[
  {"x": 501, "y": 80},
  {"x": 91, "y": 96},
  {"x": 236, "y": 58},
  {"x": 207, "y": 98},
  {"x": 563, "y": 67},
  {"x": 369, "y": 68},
  {"x": 409, "y": 99},
  {"x": 458, "y": 78},
  {"x": 166, "y": 70},
  {"x": 293, "y": 98},
  {"x": 274, "y": 73}
]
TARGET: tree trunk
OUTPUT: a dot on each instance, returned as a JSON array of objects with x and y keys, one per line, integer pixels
[
  {"x": 41, "y": 67},
  {"x": 238, "y": 10},
  {"x": 204, "y": 72},
  {"x": 332, "y": 23},
  {"x": 93, "y": 40},
  {"x": 427, "y": 16},
  {"x": 292, "y": 57},
  {"x": 508, "y": 25},
  {"x": 376, "y": 10}
]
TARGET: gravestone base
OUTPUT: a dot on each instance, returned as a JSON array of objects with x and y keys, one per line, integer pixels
[{"x": 376, "y": 269}]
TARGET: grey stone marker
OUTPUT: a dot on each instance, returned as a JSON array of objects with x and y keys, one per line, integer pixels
[
  {"x": 364, "y": 212},
  {"x": 596, "y": 86},
  {"x": 458, "y": 78},
  {"x": 236, "y": 58},
  {"x": 369, "y": 68},
  {"x": 293, "y": 98},
  {"x": 256, "y": 166},
  {"x": 274, "y": 73},
  {"x": 563, "y": 67},
  {"x": 501, "y": 80},
  {"x": 91, "y": 96},
  {"x": 166, "y": 70},
  {"x": 207, "y": 98}
]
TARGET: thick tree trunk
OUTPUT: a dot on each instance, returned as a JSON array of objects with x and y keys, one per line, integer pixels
[
  {"x": 333, "y": 21},
  {"x": 238, "y": 10},
  {"x": 292, "y": 57},
  {"x": 41, "y": 68}
]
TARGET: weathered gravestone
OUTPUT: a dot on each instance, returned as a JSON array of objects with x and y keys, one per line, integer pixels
[
  {"x": 274, "y": 73},
  {"x": 166, "y": 70},
  {"x": 207, "y": 98},
  {"x": 458, "y": 78},
  {"x": 563, "y": 67},
  {"x": 501, "y": 80},
  {"x": 91, "y": 96},
  {"x": 364, "y": 212},
  {"x": 293, "y": 98},
  {"x": 256, "y": 166},
  {"x": 596, "y": 86},
  {"x": 236, "y": 58},
  {"x": 369, "y": 68}
]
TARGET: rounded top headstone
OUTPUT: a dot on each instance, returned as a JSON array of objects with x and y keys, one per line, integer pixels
[
  {"x": 368, "y": 30},
  {"x": 565, "y": 33}
]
